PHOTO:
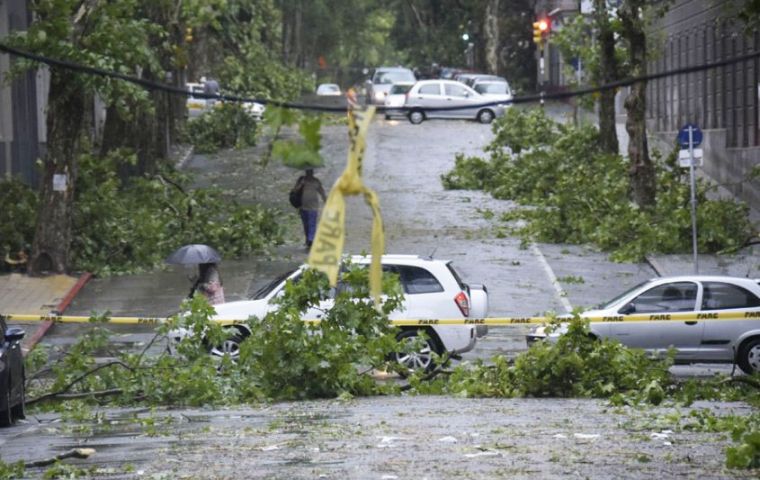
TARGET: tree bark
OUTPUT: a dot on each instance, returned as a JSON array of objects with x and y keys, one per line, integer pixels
[
  {"x": 491, "y": 31},
  {"x": 641, "y": 170},
  {"x": 608, "y": 72},
  {"x": 66, "y": 106}
]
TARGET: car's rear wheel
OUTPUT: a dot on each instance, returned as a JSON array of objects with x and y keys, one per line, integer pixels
[
  {"x": 6, "y": 416},
  {"x": 416, "y": 353},
  {"x": 748, "y": 357},
  {"x": 416, "y": 117},
  {"x": 230, "y": 346},
  {"x": 485, "y": 116}
]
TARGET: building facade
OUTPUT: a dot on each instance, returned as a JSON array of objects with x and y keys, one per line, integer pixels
[
  {"x": 722, "y": 101},
  {"x": 22, "y": 104}
]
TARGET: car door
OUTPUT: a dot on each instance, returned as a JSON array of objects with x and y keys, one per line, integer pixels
[
  {"x": 429, "y": 95},
  {"x": 658, "y": 335},
  {"x": 424, "y": 296},
  {"x": 460, "y": 96},
  {"x": 719, "y": 340}
]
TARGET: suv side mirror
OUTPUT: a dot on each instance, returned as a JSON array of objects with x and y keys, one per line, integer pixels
[{"x": 14, "y": 334}]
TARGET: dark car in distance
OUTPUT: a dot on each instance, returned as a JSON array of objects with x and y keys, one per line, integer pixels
[{"x": 11, "y": 374}]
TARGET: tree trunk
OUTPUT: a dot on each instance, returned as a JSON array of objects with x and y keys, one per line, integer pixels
[
  {"x": 608, "y": 73},
  {"x": 491, "y": 32},
  {"x": 641, "y": 171},
  {"x": 52, "y": 237}
]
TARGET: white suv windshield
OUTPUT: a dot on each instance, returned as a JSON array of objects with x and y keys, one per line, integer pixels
[
  {"x": 499, "y": 87},
  {"x": 393, "y": 76}
]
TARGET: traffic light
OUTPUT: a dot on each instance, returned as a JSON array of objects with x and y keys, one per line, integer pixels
[{"x": 540, "y": 30}]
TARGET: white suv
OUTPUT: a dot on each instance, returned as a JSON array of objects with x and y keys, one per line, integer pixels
[{"x": 432, "y": 290}]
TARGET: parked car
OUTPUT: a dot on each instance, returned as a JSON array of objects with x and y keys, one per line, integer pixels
[
  {"x": 195, "y": 105},
  {"x": 396, "y": 98},
  {"x": 427, "y": 99},
  {"x": 382, "y": 81},
  {"x": 702, "y": 339},
  {"x": 432, "y": 289},
  {"x": 12, "y": 395},
  {"x": 496, "y": 90},
  {"x": 329, "y": 89},
  {"x": 254, "y": 109},
  {"x": 472, "y": 78}
]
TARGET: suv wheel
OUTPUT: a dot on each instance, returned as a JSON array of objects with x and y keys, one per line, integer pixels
[
  {"x": 230, "y": 346},
  {"x": 748, "y": 358},
  {"x": 6, "y": 417},
  {"x": 19, "y": 411},
  {"x": 416, "y": 117},
  {"x": 416, "y": 353},
  {"x": 485, "y": 116}
]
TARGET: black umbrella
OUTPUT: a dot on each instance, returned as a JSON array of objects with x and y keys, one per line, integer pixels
[{"x": 193, "y": 255}]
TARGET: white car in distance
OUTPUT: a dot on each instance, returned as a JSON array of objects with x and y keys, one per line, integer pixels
[
  {"x": 396, "y": 98},
  {"x": 449, "y": 99},
  {"x": 329, "y": 89},
  {"x": 494, "y": 90},
  {"x": 724, "y": 323},
  {"x": 432, "y": 290}
]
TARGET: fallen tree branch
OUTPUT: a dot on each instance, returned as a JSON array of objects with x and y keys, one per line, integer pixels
[
  {"x": 74, "y": 396},
  {"x": 73, "y": 453},
  {"x": 77, "y": 380},
  {"x": 745, "y": 380}
]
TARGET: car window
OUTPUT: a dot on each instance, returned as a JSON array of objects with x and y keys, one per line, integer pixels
[
  {"x": 417, "y": 280},
  {"x": 267, "y": 288},
  {"x": 719, "y": 295},
  {"x": 454, "y": 90},
  {"x": 400, "y": 89},
  {"x": 456, "y": 275},
  {"x": 669, "y": 297},
  {"x": 431, "y": 89},
  {"x": 393, "y": 76},
  {"x": 497, "y": 87}
]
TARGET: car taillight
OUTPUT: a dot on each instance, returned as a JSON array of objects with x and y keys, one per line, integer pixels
[{"x": 463, "y": 303}]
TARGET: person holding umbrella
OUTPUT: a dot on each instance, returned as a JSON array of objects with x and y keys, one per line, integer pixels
[{"x": 209, "y": 282}]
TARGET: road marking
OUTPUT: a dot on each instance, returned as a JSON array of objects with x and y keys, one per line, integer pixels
[{"x": 561, "y": 294}]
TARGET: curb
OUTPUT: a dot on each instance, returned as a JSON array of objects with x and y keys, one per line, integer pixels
[{"x": 59, "y": 309}]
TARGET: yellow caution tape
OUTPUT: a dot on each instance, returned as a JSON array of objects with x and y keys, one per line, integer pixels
[
  {"x": 493, "y": 321},
  {"x": 327, "y": 248}
]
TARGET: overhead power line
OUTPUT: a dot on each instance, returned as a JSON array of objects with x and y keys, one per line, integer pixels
[{"x": 151, "y": 85}]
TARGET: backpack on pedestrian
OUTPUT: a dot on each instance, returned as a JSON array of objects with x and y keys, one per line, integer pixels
[{"x": 295, "y": 195}]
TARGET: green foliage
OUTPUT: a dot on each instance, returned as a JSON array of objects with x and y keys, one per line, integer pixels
[
  {"x": 289, "y": 359},
  {"x": 306, "y": 153},
  {"x": 573, "y": 192},
  {"x": 128, "y": 227},
  {"x": 744, "y": 431},
  {"x": 226, "y": 125},
  {"x": 11, "y": 471},
  {"x": 17, "y": 217},
  {"x": 577, "y": 365},
  {"x": 283, "y": 358}
]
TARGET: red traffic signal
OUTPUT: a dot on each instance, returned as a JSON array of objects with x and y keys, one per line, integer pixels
[{"x": 541, "y": 29}]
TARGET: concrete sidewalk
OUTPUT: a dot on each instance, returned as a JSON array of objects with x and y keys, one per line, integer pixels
[{"x": 23, "y": 294}]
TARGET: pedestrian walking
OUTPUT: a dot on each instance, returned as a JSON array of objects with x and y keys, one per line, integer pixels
[
  {"x": 311, "y": 191},
  {"x": 209, "y": 283}
]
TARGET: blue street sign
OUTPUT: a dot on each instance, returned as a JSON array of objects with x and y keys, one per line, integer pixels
[{"x": 696, "y": 136}]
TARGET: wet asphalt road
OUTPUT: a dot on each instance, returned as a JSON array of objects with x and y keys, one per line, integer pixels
[{"x": 385, "y": 438}]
